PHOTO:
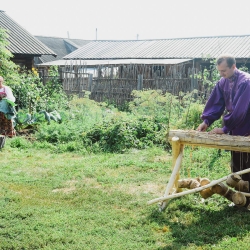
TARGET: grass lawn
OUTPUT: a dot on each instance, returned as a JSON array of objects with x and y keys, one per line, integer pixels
[{"x": 99, "y": 201}]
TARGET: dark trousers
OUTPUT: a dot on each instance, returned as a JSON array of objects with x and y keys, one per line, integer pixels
[{"x": 240, "y": 161}]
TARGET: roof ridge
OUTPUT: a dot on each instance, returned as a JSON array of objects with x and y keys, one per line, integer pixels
[{"x": 164, "y": 39}]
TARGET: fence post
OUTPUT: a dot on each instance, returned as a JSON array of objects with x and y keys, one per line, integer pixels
[
  {"x": 194, "y": 80},
  {"x": 140, "y": 82},
  {"x": 90, "y": 81},
  {"x": 157, "y": 82}
]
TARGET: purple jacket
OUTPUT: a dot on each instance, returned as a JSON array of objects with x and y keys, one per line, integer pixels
[{"x": 233, "y": 95}]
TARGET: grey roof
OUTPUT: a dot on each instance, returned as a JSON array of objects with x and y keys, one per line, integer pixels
[
  {"x": 20, "y": 40},
  {"x": 62, "y": 46},
  {"x": 197, "y": 47},
  {"x": 116, "y": 62},
  {"x": 77, "y": 42}
]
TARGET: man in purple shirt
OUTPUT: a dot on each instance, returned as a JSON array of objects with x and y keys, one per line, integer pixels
[{"x": 232, "y": 93}]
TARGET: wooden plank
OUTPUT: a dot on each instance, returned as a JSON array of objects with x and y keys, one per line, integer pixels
[{"x": 205, "y": 139}]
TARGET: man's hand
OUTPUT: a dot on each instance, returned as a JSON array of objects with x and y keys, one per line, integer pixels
[
  {"x": 202, "y": 127},
  {"x": 216, "y": 131}
]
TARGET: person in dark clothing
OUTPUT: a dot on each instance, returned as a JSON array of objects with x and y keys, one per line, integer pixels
[{"x": 232, "y": 92}]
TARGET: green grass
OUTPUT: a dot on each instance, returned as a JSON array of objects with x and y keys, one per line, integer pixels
[{"x": 99, "y": 201}]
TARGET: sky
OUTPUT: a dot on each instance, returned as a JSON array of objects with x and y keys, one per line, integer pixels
[{"x": 130, "y": 19}]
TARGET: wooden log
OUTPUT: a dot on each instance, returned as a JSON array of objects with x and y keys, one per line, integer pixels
[
  {"x": 220, "y": 189},
  {"x": 206, "y": 193},
  {"x": 239, "y": 199},
  {"x": 229, "y": 194},
  {"x": 233, "y": 180},
  {"x": 177, "y": 159},
  {"x": 212, "y": 183},
  {"x": 237, "y": 183},
  {"x": 205, "y": 139},
  {"x": 188, "y": 183},
  {"x": 192, "y": 183},
  {"x": 242, "y": 186},
  {"x": 176, "y": 149},
  {"x": 223, "y": 190}
]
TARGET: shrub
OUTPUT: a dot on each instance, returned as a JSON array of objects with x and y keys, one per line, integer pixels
[
  {"x": 32, "y": 95},
  {"x": 119, "y": 135},
  {"x": 19, "y": 142},
  {"x": 191, "y": 118}
]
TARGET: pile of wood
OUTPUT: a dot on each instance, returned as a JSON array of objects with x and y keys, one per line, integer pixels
[{"x": 234, "y": 181}]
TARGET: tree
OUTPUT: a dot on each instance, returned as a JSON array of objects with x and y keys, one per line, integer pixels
[{"x": 8, "y": 69}]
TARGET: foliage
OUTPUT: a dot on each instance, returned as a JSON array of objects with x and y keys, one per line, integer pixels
[
  {"x": 53, "y": 92},
  {"x": 244, "y": 68},
  {"x": 154, "y": 103},
  {"x": 81, "y": 116},
  {"x": 122, "y": 134},
  {"x": 8, "y": 69},
  {"x": 21, "y": 143},
  {"x": 95, "y": 127},
  {"x": 209, "y": 76},
  {"x": 26, "y": 120},
  {"x": 191, "y": 117},
  {"x": 98, "y": 127},
  {"x": 31, "y": 94}
]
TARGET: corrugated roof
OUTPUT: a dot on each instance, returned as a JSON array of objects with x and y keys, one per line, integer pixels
[
  {"x": 77, "y": 42},
  {"x": 20, "y": 40},
  {"x": 197, "y": 47},
  {"x": 61, "y": 46},
  {"x": 115, "y": 62}
]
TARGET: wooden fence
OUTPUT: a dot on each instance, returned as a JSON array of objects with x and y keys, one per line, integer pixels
[{"x": 115, "y": 84}]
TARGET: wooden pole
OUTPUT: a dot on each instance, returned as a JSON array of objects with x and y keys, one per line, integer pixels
[
  {"x": 177, "y": 148},
  {"x": 90, "y": 82},
  {"x": 177, "y": 153},
  {"x": 212, "y": 183}
]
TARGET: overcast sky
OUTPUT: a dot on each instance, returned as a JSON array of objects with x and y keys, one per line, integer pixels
[{"x": 130, "y": 19}]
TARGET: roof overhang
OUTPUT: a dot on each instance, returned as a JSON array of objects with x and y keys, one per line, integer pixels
[{"x": 116, "y": 62}]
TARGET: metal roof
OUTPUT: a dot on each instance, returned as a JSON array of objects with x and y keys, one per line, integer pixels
[
  {"x": 61, "y": 46},
  {"x": 115, "y": 62},
  {"x": 196, "y": 47},
  {"x": 20, "y": 40}
]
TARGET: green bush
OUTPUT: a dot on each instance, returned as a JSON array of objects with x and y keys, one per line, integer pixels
[
  {"x": 119, "y": 135},
  {"x": 191, "y": 118},
  {"x": 19, "y": 142},
  {"x": 33, "y": 96},
  {"x": 154, "y": 103}
]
